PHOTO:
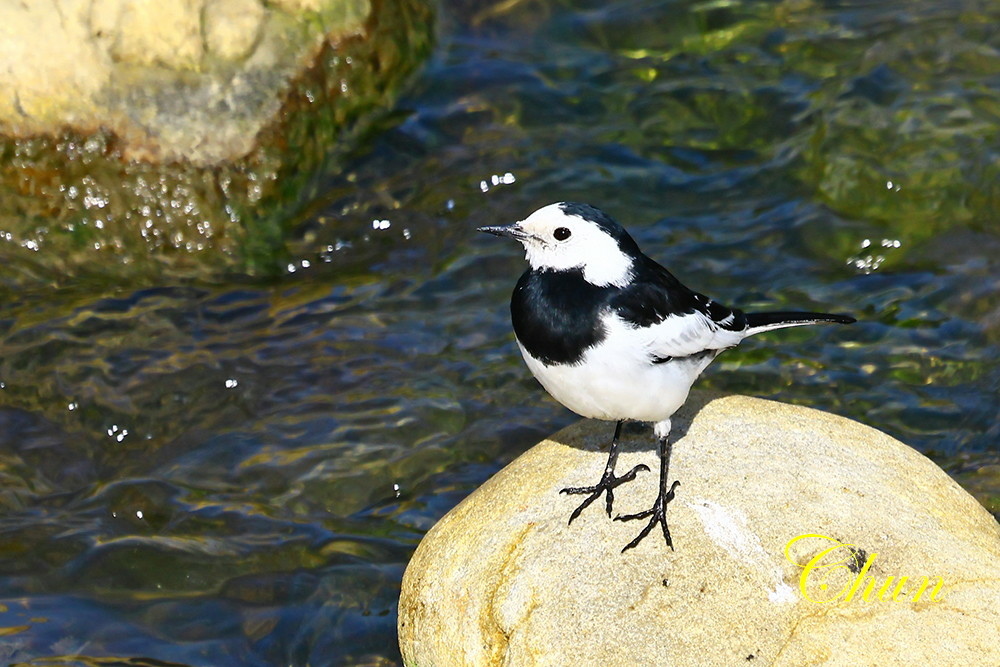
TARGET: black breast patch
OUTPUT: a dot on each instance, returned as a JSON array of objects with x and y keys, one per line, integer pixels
[{"x": 556, "y": 314}]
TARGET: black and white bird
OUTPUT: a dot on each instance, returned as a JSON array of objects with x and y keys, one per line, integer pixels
[{"x": 613, "y": 335}]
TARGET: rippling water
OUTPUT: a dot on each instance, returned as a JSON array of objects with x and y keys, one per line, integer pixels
[{"x": 237, "y": 473}]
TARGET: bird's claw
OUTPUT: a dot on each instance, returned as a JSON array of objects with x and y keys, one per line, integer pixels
[
  {"x": 657, "y": 514},
  {"x": 609, "y": 481}
]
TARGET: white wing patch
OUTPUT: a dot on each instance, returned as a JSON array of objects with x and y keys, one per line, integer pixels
[{"x": 675, "y": 336}]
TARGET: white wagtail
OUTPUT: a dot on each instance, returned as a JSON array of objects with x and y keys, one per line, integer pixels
[{"x": 613, "y": 335}]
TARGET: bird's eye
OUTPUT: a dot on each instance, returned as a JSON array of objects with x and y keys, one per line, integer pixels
[{"x": 561, "y": 233}]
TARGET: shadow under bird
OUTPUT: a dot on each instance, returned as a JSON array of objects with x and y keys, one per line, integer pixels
[{"x": 613, "y": 335}]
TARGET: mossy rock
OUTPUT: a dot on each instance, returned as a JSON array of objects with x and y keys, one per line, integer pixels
[{"x": 195, "y": 161}]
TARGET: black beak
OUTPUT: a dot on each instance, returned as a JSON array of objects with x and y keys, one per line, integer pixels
[{"x": 513, "y": 231}]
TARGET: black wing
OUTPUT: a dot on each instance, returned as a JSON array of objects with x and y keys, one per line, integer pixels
[{"x": 672, "y": 321}]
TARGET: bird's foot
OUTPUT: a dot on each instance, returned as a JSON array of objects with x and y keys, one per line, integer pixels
[
  {"x": 657, "y": 514},
  {"x": 609, "y": 482}
]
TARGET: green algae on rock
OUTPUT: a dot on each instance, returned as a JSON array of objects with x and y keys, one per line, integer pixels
[{"x": 186, "y": 152}]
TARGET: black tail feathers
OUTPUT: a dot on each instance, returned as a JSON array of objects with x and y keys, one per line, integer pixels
[{"x": 758, "y": 322}]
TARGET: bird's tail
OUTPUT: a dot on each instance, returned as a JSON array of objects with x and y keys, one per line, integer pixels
[{"x": 761, "y": 322}]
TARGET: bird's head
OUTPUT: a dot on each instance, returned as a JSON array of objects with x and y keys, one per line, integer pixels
[{"x": 567, "y": 236}]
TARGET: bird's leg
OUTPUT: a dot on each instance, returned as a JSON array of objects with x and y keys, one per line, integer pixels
[
  {"x": 658, "y": 512},
  {"x": 609, "y": 481}
]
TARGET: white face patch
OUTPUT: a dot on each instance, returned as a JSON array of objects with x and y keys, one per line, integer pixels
[{"x": 586, "y": 246}]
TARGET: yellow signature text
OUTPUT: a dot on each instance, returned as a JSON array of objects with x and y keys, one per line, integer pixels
[{"x": 837, "y": 559}]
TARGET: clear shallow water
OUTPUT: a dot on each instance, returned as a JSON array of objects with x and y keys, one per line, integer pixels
[{"x": 237, "y": 473}]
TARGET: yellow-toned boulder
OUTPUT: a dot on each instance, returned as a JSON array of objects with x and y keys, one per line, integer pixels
[
  {"x": 173, "y": 80},
  {"x": 793, "y": 531}
]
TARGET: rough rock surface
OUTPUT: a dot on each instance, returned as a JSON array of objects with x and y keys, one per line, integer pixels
[
  {"x": 191, "y": 80},
  {"x": 503, "y": 580}
]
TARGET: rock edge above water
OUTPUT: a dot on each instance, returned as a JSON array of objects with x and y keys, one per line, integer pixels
[{"x": 145, "y": 140}]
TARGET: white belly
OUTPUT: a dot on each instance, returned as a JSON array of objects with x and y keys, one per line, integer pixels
[{"x": 615, "y": 384}]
